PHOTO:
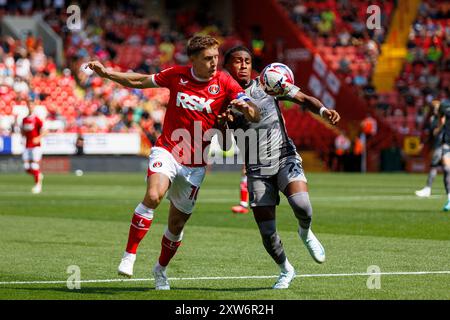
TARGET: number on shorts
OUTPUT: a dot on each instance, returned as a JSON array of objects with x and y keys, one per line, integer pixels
[
  {"x": 194, "y": 193},
  {"x": 294, "y": 167}
]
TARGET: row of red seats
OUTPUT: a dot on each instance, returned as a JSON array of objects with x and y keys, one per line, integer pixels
[
  {"x": 360, "y": 5},
  {"x": 127, "y": 31},
  {"x": 306, "y": 131}
]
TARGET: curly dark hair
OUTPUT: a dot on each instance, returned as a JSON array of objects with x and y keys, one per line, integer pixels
[{"x": 228, "y": 54}]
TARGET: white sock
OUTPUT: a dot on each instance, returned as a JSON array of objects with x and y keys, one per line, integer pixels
[
  {"x": 160, "y": 267},
  {"x": 448, "y": 197},
  {"x": 243, "y": 204},
  {"x": 286, "y": 266},
  {"x": 129, "y": 255}
]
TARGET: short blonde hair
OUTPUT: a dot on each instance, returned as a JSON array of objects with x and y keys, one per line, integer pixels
[{"x": 199, "y": 43}]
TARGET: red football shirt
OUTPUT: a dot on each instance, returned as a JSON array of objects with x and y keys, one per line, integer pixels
[
  {"x": 31, "y": 127},
  {"x": 192, "y": 110}
]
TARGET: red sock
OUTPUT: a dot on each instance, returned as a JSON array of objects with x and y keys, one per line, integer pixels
[
  {"x": 244, "y": 192},
  {"x": 168, "y": 250},
  {"x": 138, "y": 229},
  {"x": 35, "y": 174}
]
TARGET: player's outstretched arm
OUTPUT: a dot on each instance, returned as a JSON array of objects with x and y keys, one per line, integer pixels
[
  {"x": 291, "y": 92},
  {"x": 317, "y": 107},
  {"x": 42, "y": 134},
  {"x": 248, "y": 108},
  {"x": 127, "y": 79}
]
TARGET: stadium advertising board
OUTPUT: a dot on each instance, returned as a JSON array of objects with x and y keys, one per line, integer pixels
[
  {"x": 94, "y": 143},
  {"x": 63, "y": 143},
  {"x": 112, "y": 143}
]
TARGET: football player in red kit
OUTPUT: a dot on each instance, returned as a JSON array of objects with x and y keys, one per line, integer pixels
[
  {"x": 199, "y": 95},
  {"x": 32, "y": 130},
  {"x": 242, "y": 207}
]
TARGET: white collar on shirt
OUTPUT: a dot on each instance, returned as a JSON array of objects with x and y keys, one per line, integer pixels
[{"x": 197, "y": 78}]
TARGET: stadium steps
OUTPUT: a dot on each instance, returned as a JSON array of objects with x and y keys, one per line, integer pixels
[
  {"x": 312, "y": 162},
  {"x": 393, "y": 52}
]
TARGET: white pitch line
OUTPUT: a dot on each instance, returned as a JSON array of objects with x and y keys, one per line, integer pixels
[
  {"x": 204, "y": 198},
  {"x": 331, "y": 198},
  {"x": 233, "y": 278}
]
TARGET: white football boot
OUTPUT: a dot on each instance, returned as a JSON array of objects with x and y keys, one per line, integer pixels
[
  {"x": 285, "y": 279},
  {"x": 38, "y": 186},
  {"x": 126, "y": 265},
  {"x": 424, "y": 193},
  {"x": 313, "y": 245},
  {"x": 161, "y": 281}
]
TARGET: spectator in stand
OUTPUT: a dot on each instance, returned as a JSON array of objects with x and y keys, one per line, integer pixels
[
  {"x": 23, "y": 65},
  {"x": 360, "y": 79},
  {"x": 21, "y": 86},
  {"x": 342, "y": 146},
  {"x": 30, "y": 42},
  {"x": 358, "y": 149},
  {"x": 434, "y": 54},
  {"x": 344, "y": 65},
  {"x": 79, "y": 145},
  {"x": 344, "y": 37},
  {"x": 326, "y": 22},
  {"x": 369, "y": 126},
  {"x": 257, "y": 46},
  {"x": 38, "y": 60}
]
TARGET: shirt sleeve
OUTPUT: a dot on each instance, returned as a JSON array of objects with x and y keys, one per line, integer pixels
[
  {"x": 291, "y": 91},
  {"x": 40, "y": 123},
  {"x": 164, "y": 78},
  {"x": 235, "y": 91}
]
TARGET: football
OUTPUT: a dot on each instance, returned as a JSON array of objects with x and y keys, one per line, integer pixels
[
  {"x": 84, "y": 68},
  {"x": 274, "y": 78}
]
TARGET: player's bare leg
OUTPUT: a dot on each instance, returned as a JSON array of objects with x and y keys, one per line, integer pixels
[
  {"x": 35, "y": 170},
  {"x": 27, "y": 167},
  {"x": 157, "y": 185},
  {"x": 265, "y": 218},
  {"x": 297, "y": 195},
  {"x": 170, "y": 242}
]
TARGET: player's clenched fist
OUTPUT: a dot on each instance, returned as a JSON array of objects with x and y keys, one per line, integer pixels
[
  {"x": 225, "y": 117},
  {"x": 240, "y": 105},
  {"x": 249, "y": 109},
  {"x": 99, "y": 68}
]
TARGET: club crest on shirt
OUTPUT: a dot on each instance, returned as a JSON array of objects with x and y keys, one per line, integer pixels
[
  {"x": 214, "y": 89},
  {"x": 157, "y": 164},
  {"x": 258, "y": 93}
]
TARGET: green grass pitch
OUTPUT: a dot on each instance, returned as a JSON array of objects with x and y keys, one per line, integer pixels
[{"x": 362, "y": 220}]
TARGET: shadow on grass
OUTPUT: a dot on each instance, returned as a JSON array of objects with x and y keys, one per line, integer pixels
[
  {"x": 113, "y": 291},
  {"x": 223, "y": 289}
]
